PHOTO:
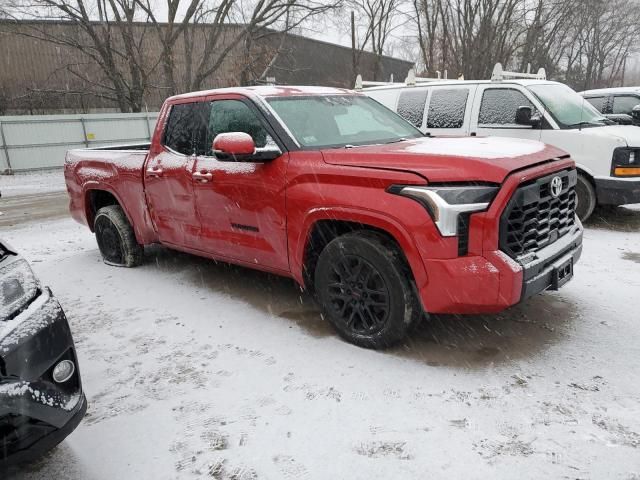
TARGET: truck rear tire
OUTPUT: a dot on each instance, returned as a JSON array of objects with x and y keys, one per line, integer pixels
[
  {"x": 116, "y": 239},
  {"x": 586, "y": 198},
  {"x": 363, "y": 285}
]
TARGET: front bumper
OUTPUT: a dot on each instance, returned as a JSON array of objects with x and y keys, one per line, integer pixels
[
  {"x": 617, "y": 191},
  {"x": 35, "y": 412},
  {"x": 494, "y": 281},
  {"x": 539, "y": 273}
]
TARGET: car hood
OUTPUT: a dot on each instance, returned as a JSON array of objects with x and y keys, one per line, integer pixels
[
  {"x": 626, "y": 134},
  {"x": 453, "y": 159}
]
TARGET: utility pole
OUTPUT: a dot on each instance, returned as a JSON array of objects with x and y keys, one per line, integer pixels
[{"x": 354, "y": 59}]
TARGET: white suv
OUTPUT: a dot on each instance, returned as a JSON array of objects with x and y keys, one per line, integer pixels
[{"x": 607, "y": 154}]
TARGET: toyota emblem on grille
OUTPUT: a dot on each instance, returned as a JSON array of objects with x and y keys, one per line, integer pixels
[{"x": 556, "y": 187}]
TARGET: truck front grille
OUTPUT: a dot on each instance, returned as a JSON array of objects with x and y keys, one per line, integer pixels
[{"x": 535, "y": 217}]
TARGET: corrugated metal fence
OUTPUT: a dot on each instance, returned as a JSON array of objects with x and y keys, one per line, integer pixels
[{"x": 41, "y": 141}]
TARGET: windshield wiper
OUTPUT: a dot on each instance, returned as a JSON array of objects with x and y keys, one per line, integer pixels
[
  {"x": 348, "y": 145},
  {"x": 586, "y": 124},
  {"x": 402, "y": 139}
]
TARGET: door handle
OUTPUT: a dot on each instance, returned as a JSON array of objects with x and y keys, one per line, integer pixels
[
  {"x": 154, "y": 172},
  {"x": 203, "y": 177}
]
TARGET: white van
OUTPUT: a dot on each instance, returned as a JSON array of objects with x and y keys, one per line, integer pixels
[
  {"x": 616, "y": 102},
  {"x": 527, "y": 106}
]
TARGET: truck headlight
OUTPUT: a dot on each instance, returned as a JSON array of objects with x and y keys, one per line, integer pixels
[
  {"x": 626, "y": 162},
  {"x": 446, "y": 203},
  {"x": 18, "y": 287}
]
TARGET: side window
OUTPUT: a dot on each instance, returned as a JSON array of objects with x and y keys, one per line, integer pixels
[
  {"x": 186, "y": 131},
  {"x": 411, "y": 105},
  {"x": 625, "y": 104},
  {"x": 598, "y": 102},
  {"x": 236, "y": 116},
  {"x": 447, "y": 108},
  {"x": 499, "y": 107}
]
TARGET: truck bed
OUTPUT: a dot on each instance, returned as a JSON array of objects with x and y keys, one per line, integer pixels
[
  {"x": 116, "y": 169},
  {"x": 125, "y": 148}
]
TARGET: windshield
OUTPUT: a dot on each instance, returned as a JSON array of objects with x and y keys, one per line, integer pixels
[
  {"x": 568, "y": 108},
  {"x": 341, "y": 120}
]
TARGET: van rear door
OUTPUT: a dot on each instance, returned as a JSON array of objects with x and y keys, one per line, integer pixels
[{"x": 449, "y": 110}]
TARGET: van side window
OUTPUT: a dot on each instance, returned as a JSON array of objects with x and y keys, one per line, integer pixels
[
  {"x": 236, "y": 116},
  {"x": 411, "y": 105},
  {"x": 598, "y": 102},
  {"x": 447, "y": 108},
  {"x": 499, "y": 106},
  {"x": 186, "y": 130},
  {"x": 625, "y": 103}
]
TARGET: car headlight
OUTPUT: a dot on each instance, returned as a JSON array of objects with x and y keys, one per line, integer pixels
[
  {"x": 446, "y": 203},
  {"x": 18, "y": 288},
  {"x": 626, "y": 162}
]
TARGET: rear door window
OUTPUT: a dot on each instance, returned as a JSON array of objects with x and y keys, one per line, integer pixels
[
  {"x": 598, "y": 102},
  {"x": 186, "y": 131},
  {"x": 499, "y": 107},
  {"x": 625, "y": 103},
  {"x": 411, "y": 105},
  {"x": 447, "y": 108}
]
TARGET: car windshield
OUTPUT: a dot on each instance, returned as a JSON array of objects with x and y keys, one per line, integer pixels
[
  {"x": 568, "y": 108},
  {"x": 341, "y": 120}
]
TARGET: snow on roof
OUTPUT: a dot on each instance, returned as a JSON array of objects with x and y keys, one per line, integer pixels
[
  {"x": 609, "y": 91},
  {"x": 461, "y": 83},
  {"x": 269, "y": 91}
]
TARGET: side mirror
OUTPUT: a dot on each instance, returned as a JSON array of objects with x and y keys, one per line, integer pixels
[
  {"x": 620, "y": 118},
  {"x": 234, "y": 144},
  {"x": 525, "y": 116},
  {"x": 635, "y": 114},
  {"x": 240, "y": 147}
]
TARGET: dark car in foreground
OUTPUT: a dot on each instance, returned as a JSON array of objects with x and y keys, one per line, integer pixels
[{"x": 41, "y": 397}]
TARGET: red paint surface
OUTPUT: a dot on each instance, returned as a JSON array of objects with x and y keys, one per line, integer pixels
[{"x": 260, "y": 214}]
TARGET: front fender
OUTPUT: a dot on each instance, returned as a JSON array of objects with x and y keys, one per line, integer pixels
[{"x": 365, "y": 217}]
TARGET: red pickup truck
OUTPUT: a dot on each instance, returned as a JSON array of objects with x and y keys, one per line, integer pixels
[{"x": 331, "y": 188}]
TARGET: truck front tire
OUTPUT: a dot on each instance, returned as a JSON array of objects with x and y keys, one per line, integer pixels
[
  {"x": 586, "y": 198},
  {"x": 116, "y": 239},
  {"x": 364, "y": 288}
]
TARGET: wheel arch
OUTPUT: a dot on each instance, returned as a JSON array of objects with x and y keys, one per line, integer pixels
[
  {"x": 322, "y": 226},
  {"x": 98, "y": 196},
  {"x": 587, "y": 174}
]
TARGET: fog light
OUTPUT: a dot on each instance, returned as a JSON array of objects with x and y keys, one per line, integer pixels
[{"x": 63, "y": 371}]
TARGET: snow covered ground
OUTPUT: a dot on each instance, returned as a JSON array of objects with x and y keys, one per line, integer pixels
[
  {"x": 195, "y": 369},
  {"x": 30, "y": 183}
]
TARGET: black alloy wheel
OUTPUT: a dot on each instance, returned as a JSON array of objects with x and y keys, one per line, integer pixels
[
  {"x": 366, "y": 291},
  {"x": 116, "y": 238},
  {"x": 358, "y": 294}
]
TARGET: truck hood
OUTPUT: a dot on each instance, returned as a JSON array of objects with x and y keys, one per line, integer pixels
[
  {"x": 628, "y": 135},
  {"x": 453, "y": 159}
]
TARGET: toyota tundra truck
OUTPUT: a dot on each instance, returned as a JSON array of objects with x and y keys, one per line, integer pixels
[{"x": 331, "y": 188}]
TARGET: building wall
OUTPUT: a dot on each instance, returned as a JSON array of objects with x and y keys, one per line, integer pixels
[{"x": 36, "y": 76}]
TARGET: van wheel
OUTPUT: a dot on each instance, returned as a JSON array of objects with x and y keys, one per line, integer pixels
[
  {"x": 586, "y": 198},
  {"x": 116, "y": 240},
  {"x": 364, "y": 288}
]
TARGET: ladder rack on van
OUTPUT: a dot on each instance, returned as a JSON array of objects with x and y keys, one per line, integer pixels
[
  {"x": 411, "y": 80},
  {"x": 500, "y": 74}
]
